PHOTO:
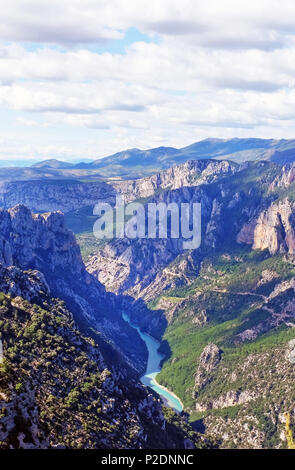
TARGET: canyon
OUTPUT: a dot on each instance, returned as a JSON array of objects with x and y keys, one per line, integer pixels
[{"x": 224, "y": 314}]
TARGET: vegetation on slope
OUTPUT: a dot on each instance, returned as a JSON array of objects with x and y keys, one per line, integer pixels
[
  {"x": 55, "y": 390},
  {"x": 232, "y": 291}
]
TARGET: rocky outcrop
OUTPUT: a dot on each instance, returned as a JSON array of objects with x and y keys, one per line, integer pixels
[
  {"x": 267, "y": 276},
  {"x": 231, "y": 398},
  {"x": 275, "y": 229},
  {"x": 29, "y": 285},
  {"x": 70, "y": 195},
  {"x": 246, "y": 234},
  {"x": 285, "y": 179},
  {"x": 208, "y": 362},
  {"x": 290, "y": 352},
  {"x": 189, "y": 174},
  {"x": 20, "y": 420}
]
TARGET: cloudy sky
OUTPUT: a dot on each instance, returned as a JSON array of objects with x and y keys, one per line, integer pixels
[{"x": 87, "y": 78}]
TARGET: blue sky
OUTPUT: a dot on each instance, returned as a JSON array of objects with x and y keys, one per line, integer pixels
[{"x": 84, "y": 79}]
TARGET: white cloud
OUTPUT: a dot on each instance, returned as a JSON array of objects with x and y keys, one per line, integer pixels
[
  {"x": 261, "y": 24},
  {"x": 212, "y": 68}
]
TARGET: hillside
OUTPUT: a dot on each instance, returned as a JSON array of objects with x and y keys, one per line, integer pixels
[{"x": 56, "y": 390}]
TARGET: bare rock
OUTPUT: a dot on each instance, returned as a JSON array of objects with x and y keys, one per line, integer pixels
[
  {"x": 208, "y": 361},
  {"x": 275, "y": 229}
]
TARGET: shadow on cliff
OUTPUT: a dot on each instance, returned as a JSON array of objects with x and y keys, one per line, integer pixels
[
  {"x": 152, "y": 322},
  {"x": 198, "y": 426}
]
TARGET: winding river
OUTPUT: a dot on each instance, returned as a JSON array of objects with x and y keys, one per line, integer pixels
[{"x": 153, "y": 368}]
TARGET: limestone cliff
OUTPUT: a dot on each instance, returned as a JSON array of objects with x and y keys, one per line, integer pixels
[
  {"x": 53, "y": 195},
  {"x": 208, "y": 361},
  {"x": 69, "y": 195},
  {"x": 275, "y": 228}
]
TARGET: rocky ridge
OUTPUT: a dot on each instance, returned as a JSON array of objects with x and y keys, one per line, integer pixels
[{"x": 43, "y": 243}]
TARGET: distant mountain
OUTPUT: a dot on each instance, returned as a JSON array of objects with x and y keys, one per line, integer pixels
[
  {"x": 135, "y": 163},
  {"x": 131, "y": 157},
  {"x": 240, "y": 150},
  {"x": 53, "y": 163}
]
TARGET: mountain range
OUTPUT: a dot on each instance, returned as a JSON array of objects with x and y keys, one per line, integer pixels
[{"x": 136, "y": 163}]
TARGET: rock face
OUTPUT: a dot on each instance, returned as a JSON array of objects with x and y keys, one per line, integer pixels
[
  {"x": 42, "y": 243},
  {"x": 246, "y": 234},
  {"x": 191, "y": 173},
  {"x": 290, "y": 353},
  {"x": 146, "y": 268},
  {"x": 260, "y": 389},
  {"x": 231, "y": 398},
  {"x": 275, "y": 229},
  {"x": 42, "y": 196},
  {"x": 67, "y": 196},
  {"x": 286, "y": 178},
  {"x": 59, "y": 388},
  {"x": 128, "y": 266},
  {"x": 21, "y": 408},
  {"x": 208, "y": 361}
]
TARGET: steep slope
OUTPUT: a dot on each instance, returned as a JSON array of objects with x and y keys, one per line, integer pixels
[
  {"x": 230, "y": 357},
  {"x": 43, "y": 243},
  {"x": 56, "y": 390}
]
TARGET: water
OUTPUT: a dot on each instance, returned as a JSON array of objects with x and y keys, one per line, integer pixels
[{"x": 153, "y": 368}]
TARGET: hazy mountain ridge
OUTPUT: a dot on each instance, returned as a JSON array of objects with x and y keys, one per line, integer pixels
[{"x": 136, "y": 163}]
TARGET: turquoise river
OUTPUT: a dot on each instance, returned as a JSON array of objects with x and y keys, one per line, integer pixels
[{"x": 154, "y": 367}]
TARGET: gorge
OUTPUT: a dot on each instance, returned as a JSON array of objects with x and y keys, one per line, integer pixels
[{"x": 223, "y": 316}]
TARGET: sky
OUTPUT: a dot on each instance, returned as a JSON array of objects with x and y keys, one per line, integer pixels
[{"x": 82, "y": 79}]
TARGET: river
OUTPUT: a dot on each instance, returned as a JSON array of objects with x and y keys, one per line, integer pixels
[{"x": 153, "y": 368}]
